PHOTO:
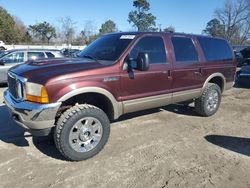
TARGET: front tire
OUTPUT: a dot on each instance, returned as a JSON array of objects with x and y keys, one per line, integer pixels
[
  {"x": 209, "y": 102},
  {"x": 81, "y": 132}
]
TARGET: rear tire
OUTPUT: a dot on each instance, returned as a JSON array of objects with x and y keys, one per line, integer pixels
[
  {"x": 210, "y": 100},
  {"x": 81, "y": 132}
]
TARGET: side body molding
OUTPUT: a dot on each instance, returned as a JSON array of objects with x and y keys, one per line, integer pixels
[{"x": 117, "y": 106}]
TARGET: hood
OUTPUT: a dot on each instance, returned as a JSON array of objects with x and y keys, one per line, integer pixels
[{"x": 42, "y": 70}]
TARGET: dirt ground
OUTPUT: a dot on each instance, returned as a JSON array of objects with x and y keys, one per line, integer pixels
[{"x": 167, "y": 147}]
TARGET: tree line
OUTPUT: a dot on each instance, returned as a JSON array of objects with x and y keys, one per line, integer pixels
[{"x": 232, "y": 22}]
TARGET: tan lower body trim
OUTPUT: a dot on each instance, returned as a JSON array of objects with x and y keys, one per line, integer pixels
[
  {"x": 186, "y": 95},
  {"x": 146, "y": 103},
  {"x": 159, "y": 100}
]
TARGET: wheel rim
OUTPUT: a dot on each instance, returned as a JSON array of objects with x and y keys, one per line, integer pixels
[
  {"x": 212, "y": 101},
  {"x": 85, "y": 134}
]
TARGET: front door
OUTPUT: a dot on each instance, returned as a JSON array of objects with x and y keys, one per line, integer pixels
[{"x": 152, "y": 88}]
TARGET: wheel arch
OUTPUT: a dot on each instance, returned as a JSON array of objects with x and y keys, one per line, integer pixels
[
  {"x": 96, "y": 92},
  {"x": 216, "y": 78}
]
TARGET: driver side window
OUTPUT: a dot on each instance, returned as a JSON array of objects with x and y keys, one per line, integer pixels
[
  {"x": 16, "y": 57},
  {"x": 153, "y": 46}
]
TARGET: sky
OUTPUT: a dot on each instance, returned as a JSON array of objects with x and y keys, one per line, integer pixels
[{"x": 189, "y": 16}]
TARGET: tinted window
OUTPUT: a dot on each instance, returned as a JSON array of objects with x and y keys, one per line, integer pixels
[
  {"x": 15, "y": 57},
  {"x": 35, "y": 55},
  {"x": 153, "y": 46},
  {"x": 108, "y": 47},
  {"x": 49, "y": 55},
  {"x": 215, "y": 49},
  {"x": 184, "y": 49}
]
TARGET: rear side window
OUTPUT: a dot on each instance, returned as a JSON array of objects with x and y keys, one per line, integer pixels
[
  {"x": 49, "y": 55},
  {"x": 184, "y": 49},
  {"x": 153, "y": 46},
  {"x": 15, "y": 57},
  {"x": 215, "y": 49},
  {"x": 35, "y": 55}
]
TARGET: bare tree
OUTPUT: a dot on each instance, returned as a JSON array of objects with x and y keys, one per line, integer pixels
[
  {"x": 88, "y": 33},
  {"x": 235, "y": 19},
  {"x": 21, "y": 30},
  {"x": 67, "y": 30}
]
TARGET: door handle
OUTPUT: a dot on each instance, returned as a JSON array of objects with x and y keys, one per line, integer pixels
[
  {"x": 198, "y": 73},
  {"x": 169, "y": 73}
]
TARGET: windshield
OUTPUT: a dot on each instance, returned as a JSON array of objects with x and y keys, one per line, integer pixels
[
  {"x": 3, "y": 53},
  {"x": 107, "y": 48}
]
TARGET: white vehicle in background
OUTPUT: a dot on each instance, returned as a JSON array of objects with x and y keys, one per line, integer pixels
[
  {"x": 2, "y": 45},
  {"x": 10, "y": 58}
]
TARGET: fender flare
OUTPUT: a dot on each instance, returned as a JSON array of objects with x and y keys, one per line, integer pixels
[
  {"x": 117, "y": 106},
  {"x": 213, "y": 76}
]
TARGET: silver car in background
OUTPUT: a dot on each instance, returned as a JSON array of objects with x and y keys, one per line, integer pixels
[{"x": 10, "y": 58}]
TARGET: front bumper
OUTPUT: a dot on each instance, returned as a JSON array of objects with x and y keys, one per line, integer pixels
[{"x": 36, "y": 118}]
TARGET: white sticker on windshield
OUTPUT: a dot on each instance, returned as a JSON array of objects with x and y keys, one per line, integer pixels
[{"x": 127, "y": 37}]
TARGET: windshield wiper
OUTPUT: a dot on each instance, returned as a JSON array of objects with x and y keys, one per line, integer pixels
[{"x": 91, "y": 57}]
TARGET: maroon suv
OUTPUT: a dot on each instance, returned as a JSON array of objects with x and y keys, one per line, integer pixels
[{"x": 119, "y": 73}]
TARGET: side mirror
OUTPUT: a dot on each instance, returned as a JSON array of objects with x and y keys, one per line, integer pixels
[{"x": 142, "y": 61}]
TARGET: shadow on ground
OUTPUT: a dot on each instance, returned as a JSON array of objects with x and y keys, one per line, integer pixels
[
  {"x": 10, "y": 132},
  {"x": 236, "y": 144},
  {"x": 47, "y": 146},
  {"x": 3, "y": 85}
]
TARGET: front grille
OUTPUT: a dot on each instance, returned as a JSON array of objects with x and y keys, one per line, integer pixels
[{"x": 13, "y": 83}]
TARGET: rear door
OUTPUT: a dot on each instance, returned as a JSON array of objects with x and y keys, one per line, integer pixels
[
  {"x": 9, "y": 61},
  {"x": 187, "y": 74}
]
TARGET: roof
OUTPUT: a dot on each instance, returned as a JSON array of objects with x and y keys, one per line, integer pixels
[
  {"x": 31, "y": 49},
  {"x": 168, "y": 33}
]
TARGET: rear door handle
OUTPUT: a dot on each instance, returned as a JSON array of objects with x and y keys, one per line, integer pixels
[{"x": 199, "y": 73}]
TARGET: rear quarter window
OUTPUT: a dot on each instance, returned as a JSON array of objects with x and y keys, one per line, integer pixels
[
  {"x": 49, "y": 55},
  {"x": 215, "y": 49}
]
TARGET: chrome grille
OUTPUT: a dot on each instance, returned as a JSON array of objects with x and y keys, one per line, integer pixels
[
  {"x": 15, "y": 86},
  {"x": 12, "y": 85}
]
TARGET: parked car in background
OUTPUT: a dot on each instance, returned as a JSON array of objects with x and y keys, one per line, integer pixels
[
  {"x": 242, "y": 54},
  {"x": 117, "y": 74},
  {"x": 10, "y": 58},
  {"x": 246, "y": 56},
  {"x": 2, "y": 46},
  {"x": 2, "y": 52},
  {"x": 243, "y": 76},
  {"x": 67, "y": 52}
]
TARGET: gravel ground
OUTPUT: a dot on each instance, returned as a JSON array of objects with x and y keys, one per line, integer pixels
[{"x": 167, "y": 147}]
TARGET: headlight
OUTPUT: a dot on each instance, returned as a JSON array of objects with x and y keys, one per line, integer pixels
[{"x": 36, "y": 93}]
